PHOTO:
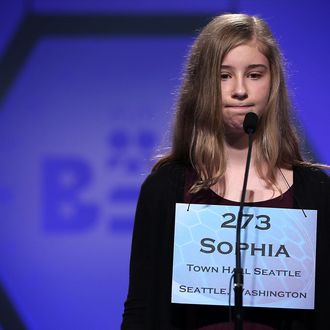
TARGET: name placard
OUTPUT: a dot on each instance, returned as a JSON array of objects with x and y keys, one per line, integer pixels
[{"x": 278, "y": 256}]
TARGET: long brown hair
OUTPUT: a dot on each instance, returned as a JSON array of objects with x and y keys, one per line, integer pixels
[{"x": 198, "y": 135}]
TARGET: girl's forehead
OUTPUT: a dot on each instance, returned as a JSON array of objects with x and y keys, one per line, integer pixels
[{"x": 245, "y": 54}]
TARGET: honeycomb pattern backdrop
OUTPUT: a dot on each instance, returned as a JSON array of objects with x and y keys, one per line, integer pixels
[{"x": 87, "y": 92}]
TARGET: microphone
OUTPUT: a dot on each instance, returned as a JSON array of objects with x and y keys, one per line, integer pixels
[
  {"x": 250, "y": 126},
  {"x": 250, "y": 123}
]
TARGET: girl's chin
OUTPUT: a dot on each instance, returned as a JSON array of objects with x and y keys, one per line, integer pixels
[{"x": 235, "y": 128}]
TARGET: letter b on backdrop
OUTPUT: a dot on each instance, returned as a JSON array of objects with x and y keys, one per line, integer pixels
[{"x": 65, "y": 209}]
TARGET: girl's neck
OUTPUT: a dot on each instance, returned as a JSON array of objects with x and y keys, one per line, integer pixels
[{"x": 236, "y": 148}]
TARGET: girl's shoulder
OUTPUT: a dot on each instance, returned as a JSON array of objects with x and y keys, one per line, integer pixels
[
  {"x": 167, "y": 177},
  {"x": 312, "y": 174}
]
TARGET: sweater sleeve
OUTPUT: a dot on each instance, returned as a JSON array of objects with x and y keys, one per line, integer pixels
[
  {"x": 135, "y": 308},
  {"x": 148, "y": 304},
  {"x": 313, "y": 192}
]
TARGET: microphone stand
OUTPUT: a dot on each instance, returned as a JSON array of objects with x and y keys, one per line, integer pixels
[{"x": 238, "y": 271}]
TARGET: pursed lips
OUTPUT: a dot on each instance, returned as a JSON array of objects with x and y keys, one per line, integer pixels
[{"x": 238, "y": 105}]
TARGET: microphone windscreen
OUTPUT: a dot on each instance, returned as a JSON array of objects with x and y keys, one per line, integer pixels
[{"x": 250, "y": 123}]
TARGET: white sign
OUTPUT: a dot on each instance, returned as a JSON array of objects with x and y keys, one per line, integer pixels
[{"x": 278, "y": 255}]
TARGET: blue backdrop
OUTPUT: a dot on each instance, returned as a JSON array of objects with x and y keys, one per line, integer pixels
[{"x": 87, "y": 96}]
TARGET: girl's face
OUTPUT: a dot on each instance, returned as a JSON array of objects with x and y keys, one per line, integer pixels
[{"x": 245, "y": 84}]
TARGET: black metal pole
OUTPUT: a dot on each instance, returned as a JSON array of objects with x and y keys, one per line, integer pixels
[{"x": 238, "y": 271}]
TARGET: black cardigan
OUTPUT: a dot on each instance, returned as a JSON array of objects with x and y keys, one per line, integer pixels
[{"x": 148, "y": 304}]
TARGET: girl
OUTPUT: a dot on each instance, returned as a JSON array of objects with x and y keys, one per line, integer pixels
[{"x": 234, "y": 67}]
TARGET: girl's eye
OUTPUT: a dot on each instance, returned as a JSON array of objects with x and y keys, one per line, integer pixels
[
  {"x": 255, "y": 75},
  {"x": 225, "y": 76}
]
